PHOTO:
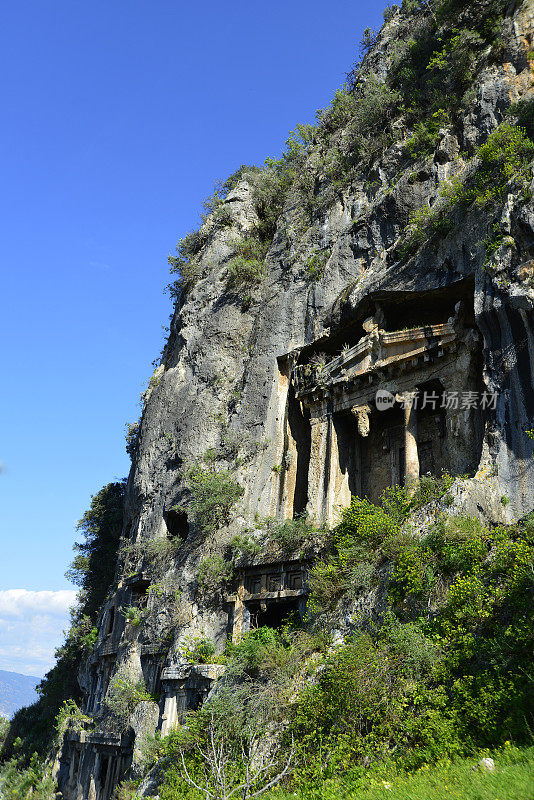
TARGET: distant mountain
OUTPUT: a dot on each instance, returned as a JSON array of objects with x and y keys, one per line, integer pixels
[{"x": 16, "y": 690}]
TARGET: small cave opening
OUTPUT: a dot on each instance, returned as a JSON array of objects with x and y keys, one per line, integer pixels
[
  {"x": 195, "y": 698},
  {"x": 139, "y": 591},
  {"x": 177, "y": 524},
  {"x": 273, "y": 614}
]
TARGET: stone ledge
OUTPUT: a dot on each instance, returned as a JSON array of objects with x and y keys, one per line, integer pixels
[{"x": 182, "y": 672}]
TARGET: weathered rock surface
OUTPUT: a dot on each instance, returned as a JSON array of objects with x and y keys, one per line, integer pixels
[{"x": 222, "y": 378}]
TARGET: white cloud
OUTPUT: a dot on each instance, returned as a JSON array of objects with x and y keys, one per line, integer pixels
[
  {"x": 20, "y": 602},
  {"x": 31, "y": 627}
]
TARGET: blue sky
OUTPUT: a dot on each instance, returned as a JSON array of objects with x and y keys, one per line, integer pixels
[{"x": 118, "y": 117}]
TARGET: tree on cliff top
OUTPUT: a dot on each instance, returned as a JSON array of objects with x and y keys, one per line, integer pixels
[{"x": 94, "y": 564}]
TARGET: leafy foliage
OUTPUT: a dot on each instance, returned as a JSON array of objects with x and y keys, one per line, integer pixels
[
  {"x": 131, "y": 436},
  {"x": 523, "y": 111},
  {"x": 292, "y": 534},
  {"x": 93, "y": 566},
  {"x": 21, "y": 781},
  {"x": 503, "y": 162},
  {"x": 93, "y": 570},
  {"x": 246, "y": 269},
  {"x": 426, "y": 131},
  {"x": 213, "y": 495},
  {"x": 134, "y": 615},
  {"x": 70, "y": 717},
  {"x": 122, "y": 696},
  {"x": 427, "y": 685},
  {"x": 316, "y": 263},
  {"x": 185, "y": 263},
  {"x": 198, "y": 650},
  {"x": 213, "y": 571},
  {"x": 365, "y": 535}
]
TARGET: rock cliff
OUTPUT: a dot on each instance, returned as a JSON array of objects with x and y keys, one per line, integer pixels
[{"x": 391, "y": 250}]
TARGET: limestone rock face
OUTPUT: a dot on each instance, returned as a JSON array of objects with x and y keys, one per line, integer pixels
[
  {"x": 443, "y": 319},
  {"x": 143, "y": 721}
]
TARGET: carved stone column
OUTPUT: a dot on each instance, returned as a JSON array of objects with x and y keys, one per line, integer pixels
[
  {"x": 91, "y": 795},
  {"x": 239, "y": 614},
  {"x": 169, "y": 714},
  {"x": 319, "y": 470},
  {"x": 411, "y": 457},
  {"x": 361, "y": 414}
]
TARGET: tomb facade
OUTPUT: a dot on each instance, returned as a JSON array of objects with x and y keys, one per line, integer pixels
[
  {"x": 266, "y": 594},
  {"x": 393, "y": 407}
]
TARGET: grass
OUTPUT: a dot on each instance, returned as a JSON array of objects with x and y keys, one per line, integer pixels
[{"x": 460, "y": 780}]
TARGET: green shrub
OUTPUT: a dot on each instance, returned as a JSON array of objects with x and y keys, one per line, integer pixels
[
  {"x": 504, "y": 157},
  {"x": 364, "y": 707},
  {"x": 198, "y": 650},
  {"x": 424, "y": 139},
  {"x": 247, "y": 269},
  {"x": 275, "y": 655},
  {"x": 372, "y": 109},
  {"x": 244, "y": 544},
  {"x": 70, "y": 717},
  {"x": 363, "y": 527},
  {"x": 245, "y": 273},
  {"x": 291, "y": 534},
  {"x": 271, "y": 185},
  {"x": 340, "y": 110},
  {"x": 412, "y": 576},
  {"x": 431, "y": 488},
  {"x": 213, "y": 571},
  {"x": 213, "y": 495},
  {"x": 368, "y": 40},
  {"x": 134, "y": 615},
  {"x": 366, "y": 535},
  {"x": 326, "y": 583},
  {"x": 249, "y": 651},
  {"x": 185, "y": 264},
  {"x": 503, "y": 161},
  {"x": 523, "y": 111},
  {"x": 315, "y": 265},
  {"x": 131, "y": 436},
  {"x": 459, "y": 542},
  {"x": 389, "y": 12},
  {"x": 122, "y": 696},
  {"x": 223, "y": 217},
  {"x": 158, "y": 553},
  {"x": 22, "y": 782}
]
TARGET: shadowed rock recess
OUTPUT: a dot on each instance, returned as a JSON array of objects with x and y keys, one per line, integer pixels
[{"x": 355, "y": 316}]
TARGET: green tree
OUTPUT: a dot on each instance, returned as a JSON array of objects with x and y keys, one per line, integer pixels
[
  {"x": 93, "y": 566},
  {"x": 92, "y": 570}
]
